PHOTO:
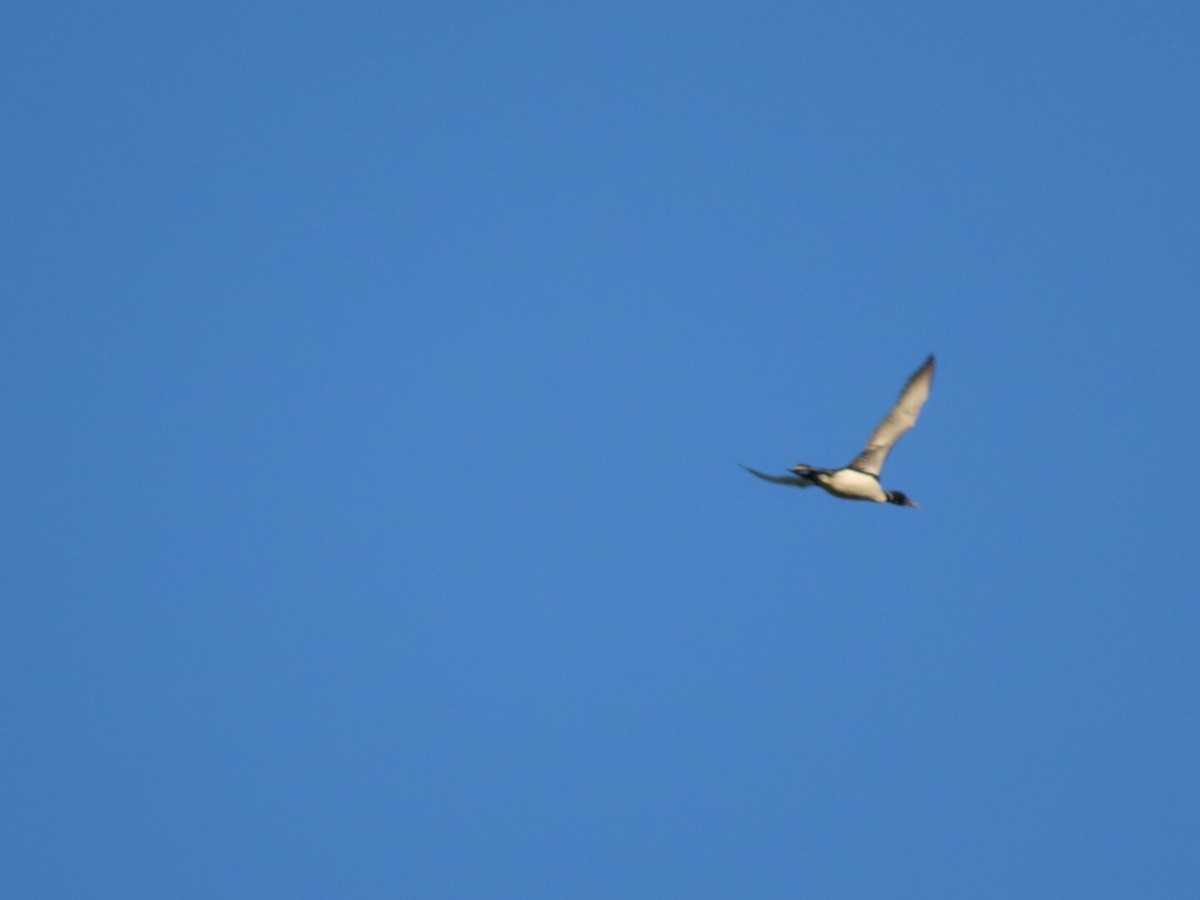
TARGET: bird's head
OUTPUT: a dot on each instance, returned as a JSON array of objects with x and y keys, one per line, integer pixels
[{"x": 901, "y": 499}]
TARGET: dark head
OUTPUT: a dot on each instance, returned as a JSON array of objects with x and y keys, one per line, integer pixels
[{"x": 901, "y": 499}]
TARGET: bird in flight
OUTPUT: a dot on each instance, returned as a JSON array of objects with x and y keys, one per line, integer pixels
[{"x": 860, "y": 479}]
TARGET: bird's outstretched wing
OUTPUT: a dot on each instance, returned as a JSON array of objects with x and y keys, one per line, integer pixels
[
  {"x": 790, "y": 478},
  {"x": 899, "y": 419}
]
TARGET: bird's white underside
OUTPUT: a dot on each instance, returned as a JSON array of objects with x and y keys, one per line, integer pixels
[{"x": 851, "y": 485}]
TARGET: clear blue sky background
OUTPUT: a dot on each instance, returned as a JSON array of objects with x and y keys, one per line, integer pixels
[{"x": 373, "y": 381}]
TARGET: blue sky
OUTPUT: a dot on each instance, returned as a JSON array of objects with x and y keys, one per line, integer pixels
[{"x": 374, "y": 379}]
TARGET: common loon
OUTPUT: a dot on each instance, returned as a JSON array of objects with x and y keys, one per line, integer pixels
[{"x": 860, "y": 479}]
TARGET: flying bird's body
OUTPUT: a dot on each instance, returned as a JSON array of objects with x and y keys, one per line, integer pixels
[
  {"x": 860, "y": 479},
  {"x": 850, "y": 484}
]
